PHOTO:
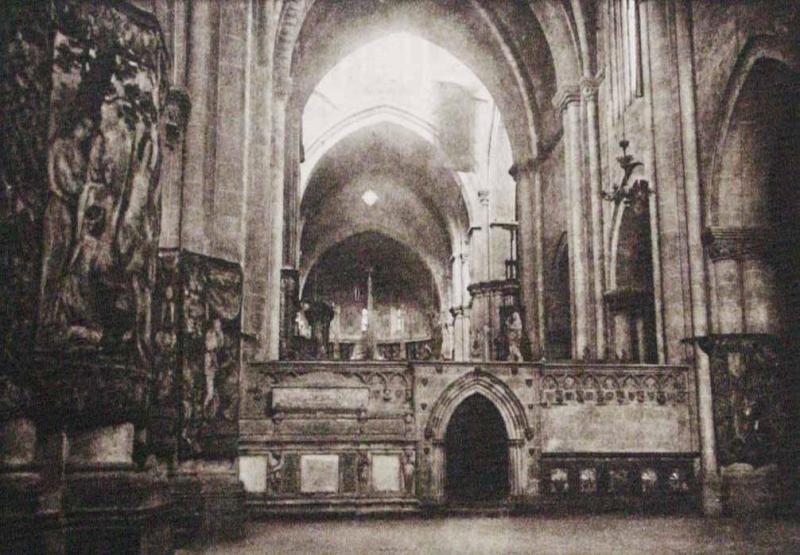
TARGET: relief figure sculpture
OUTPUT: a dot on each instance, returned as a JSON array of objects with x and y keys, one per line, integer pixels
[{"x": 66, "y": 176}]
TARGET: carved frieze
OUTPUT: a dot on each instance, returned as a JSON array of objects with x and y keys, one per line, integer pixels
[
  {"x": 609, "y": 387},
  {"x": 328, "y": 399}
]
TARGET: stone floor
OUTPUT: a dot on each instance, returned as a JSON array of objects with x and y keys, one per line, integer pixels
[{"x": 479, "y": 535}]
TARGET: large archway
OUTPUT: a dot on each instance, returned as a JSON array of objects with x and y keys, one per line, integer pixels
[
  {"x": 476, "y": 446},
  {"x": 754, "y": 210}
]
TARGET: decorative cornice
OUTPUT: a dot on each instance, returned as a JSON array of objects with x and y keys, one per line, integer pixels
[
  {"x": 507, "y": 286},
  {"x": 737, "y": 243},
  {"x": 565, "y": 96}
]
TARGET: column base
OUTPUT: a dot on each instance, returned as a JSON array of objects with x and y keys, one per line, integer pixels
[
  {"x": 711, "y": 496},
  {"x": 116, "y": 511},
  {"x": 209, "y": 503},
  {"x": 20, "y": 486},
  {"x": 748, "y": 491}
]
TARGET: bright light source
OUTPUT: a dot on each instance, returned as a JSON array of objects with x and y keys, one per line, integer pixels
[{"x": 369, "y": 198}]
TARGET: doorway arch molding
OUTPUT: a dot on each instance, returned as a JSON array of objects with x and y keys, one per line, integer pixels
[{"x": 518, "y": 428}]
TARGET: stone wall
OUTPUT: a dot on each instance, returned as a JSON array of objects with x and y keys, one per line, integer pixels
[{"x": 361, "y": 437}]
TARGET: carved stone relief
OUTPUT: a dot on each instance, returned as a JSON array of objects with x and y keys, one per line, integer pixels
[
  {"x": 101, "y": 220},
  {"x": 210, "y": 343},
  {"x": 749, "y": 397}
]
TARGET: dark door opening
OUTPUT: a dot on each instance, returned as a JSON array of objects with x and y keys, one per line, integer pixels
[{"x": 477, "y": 453}]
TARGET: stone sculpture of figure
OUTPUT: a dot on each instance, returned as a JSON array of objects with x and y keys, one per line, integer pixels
[
  {"x": 363, "y": 472},
  {"x": 214, "y": 341},
  {"x": 364, "y": 320},
  {"x": 476, "y": 349},
  {"x": 301, "y": 321},
  {"x": 66, "y": 172},
  {"x": 447, "y": 322},
  {"x": 321, "y": 316},
  {"x": 514, "y": 335},
  {"x": 91, "y": 254},
  {"x": 274, "y": 467},
  {"x": 408, "y": 472}
]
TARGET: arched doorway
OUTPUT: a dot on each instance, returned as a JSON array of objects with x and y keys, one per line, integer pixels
[{"x": 476, "y": 445}]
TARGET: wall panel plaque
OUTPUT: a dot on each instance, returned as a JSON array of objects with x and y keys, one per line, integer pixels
[
  {"x": 319, "y": 473},
  {"x": 386, "y": 473},
  {"x": 320, "y": 398}
]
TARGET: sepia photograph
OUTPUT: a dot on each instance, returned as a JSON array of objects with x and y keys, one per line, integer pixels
[{"x": 399, "y": 276}]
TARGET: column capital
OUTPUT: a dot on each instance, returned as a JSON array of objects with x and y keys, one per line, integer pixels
[
  {"x": 520, "y": 169},
  {"x": 565, "y": 96},
  {"x": 282, "y": 88},
  {"x": 589, "y": 88}
]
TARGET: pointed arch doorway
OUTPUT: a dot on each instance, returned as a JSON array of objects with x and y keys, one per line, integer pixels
[{"x": 477, "y": 455}]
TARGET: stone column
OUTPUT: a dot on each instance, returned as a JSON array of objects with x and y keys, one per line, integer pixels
[
  {"x": 529, "y": 253},
  {"x": 483, "y": 198},
  {"x": 177, "y": 114},
  {"x": 568, "y": 102},
  {"x": 200, "y": 138},
  {"x": 589, "y": 95},
  {"x": 290, "y": 295},
  {"x": 748, "y": 371}
]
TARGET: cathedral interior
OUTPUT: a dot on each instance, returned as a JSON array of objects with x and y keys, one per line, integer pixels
[{"x": 275, "y": 258}]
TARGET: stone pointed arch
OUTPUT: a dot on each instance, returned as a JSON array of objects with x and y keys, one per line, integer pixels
[
  {"x": 490, "y": 387},
  {"x": 507, "y": 404},
  {"x": 757, "y": 48}
]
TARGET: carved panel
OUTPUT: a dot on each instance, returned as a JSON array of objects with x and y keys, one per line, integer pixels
[
  {"x": 319, "y": 473},
  {"x": 386, "y": 473},
  {"x": 163, "y": 432},
  {"x": 616, "y": 480},
  {"x": 750, "y": 389},
  {"x": 101, "y": 222},
  {"x": 347, "y": 464},
  {"x": 210, "y": 344},
  {"x": 302, "y": 399},
  {"x": 330, "y": 399}
]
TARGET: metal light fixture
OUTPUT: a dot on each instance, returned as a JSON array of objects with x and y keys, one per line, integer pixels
[{"x": 632, "y": 194}]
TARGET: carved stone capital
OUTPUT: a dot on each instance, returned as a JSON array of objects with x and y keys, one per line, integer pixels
[
  {"x": 565, "y": 96},
  {"x": 521, "y": 169},
  {"x": 737, "y": 243},
  {"x": 589, "y": 88},
  {"x": 457, "y": 311}
]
